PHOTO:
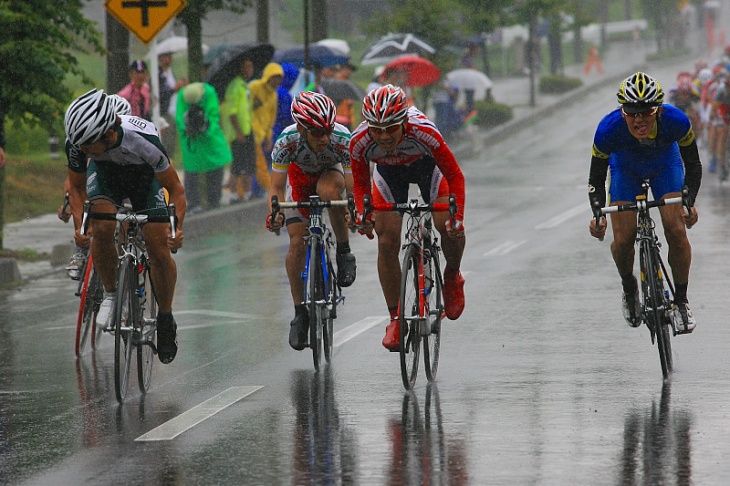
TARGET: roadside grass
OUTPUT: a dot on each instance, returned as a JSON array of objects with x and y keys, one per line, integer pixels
[{"x": 33, "y": 186}]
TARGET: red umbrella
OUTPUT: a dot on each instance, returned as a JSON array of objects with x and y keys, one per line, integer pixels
[{"x": 420, "y": 71}]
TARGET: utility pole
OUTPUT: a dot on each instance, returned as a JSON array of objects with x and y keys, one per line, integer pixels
[
  {"x": 262, "y": 22},
  {"x": 117, "y": 61}
]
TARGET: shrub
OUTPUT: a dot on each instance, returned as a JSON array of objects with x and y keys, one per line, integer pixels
[
  {"x": 558, "y": 84},
  {"x": 491, "y": 114}
]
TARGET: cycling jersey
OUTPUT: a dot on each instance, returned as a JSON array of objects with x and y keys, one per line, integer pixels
[
  {"x": 421, "y": 141},
  {"x": 657, "y": 158},
  {"x": 138, "y": 144},
  {"x": 293, "y": 156}
]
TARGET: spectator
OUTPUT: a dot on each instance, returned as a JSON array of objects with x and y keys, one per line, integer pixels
[
  {"x": 169, "y": 86},
  {"x": 264, "y": 98},
  {"x": 137, "y": 92},
  {"x": 284, "y": 100},
  {"x": 204, "y": 147},
  {"x": 378, "y": 79},
  {"x": 346, "y": 106},
  {"x": 237, "y": 125}
]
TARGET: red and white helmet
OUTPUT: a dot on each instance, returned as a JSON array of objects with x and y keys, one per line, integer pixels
[
  {"x": 384, "y": 106},
  {"x": 314, "y": 110}
]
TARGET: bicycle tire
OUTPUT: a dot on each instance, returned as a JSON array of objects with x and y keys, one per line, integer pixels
[
  {"x": 654, "y": 307},
  {"x": 409, "y": 317},
  {"x": 332, "y": 290},
  {"x": 435, "y": 300},
  {"x": 316, "y": 297},
  {"x": 146, "y": 333},
  {"x": 86, "y": 314},
  {"x": 98, "y": 297},
  {"x": 124, "y": 312}
]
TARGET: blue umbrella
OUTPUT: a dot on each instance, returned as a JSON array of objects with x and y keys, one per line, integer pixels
[{"x": 323, "y": 55}]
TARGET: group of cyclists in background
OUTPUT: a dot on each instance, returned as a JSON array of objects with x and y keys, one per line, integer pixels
[
  {"x": 703, "y": 94},
  {"x": 114, "y": 158}
]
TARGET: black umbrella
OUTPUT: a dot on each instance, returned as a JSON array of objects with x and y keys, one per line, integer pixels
[
  {"x": 341, "y": 89},
  {"x": 227, "y": 65},
  {"x": 395, "y": 45}
]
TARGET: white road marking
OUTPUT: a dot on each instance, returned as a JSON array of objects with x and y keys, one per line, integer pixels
[
  {"x": 504, "y": 248},
  {"x": 561, "y": 218},
  {"x": 350, "y": 332},
  {"x": 187, "y": 420},
  {"x": 214, "y": 313}
]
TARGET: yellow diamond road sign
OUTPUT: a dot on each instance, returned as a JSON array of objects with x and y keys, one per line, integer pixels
[{"x": 144, "y": 18}]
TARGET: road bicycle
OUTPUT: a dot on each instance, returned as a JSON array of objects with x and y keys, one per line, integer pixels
[
  {"x": 134, "y": 320},
  {"x": 657, "y": 291},
  {"x": 322, "y": 292},
  {"x": 421, "y": 305}
]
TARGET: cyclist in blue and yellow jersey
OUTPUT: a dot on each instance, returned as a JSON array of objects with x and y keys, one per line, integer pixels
[
  {"x": 645, "y": 139},
  {"x": 311, "y": 157},
  {"x": 127, "y": 160},
  {"x": 407, "y": 148}
]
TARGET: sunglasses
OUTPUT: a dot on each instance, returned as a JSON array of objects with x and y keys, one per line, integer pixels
[
  {"x": 320, "y": 132},
  {"x": 643, "y": 114},
  {"x": 390, "y": 129}
]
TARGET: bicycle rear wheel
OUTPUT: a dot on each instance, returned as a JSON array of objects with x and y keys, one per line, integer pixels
[
  {"x": 124, "y": 313},
  {"x": 435, "y": 301},
  {"x": 87, "y": 311},
  {"x": 655, "y": 307},
  {"x": 146, "y": 333},
  {"x": 409, "y": 317},
  {"x": 315, "y": 281}
]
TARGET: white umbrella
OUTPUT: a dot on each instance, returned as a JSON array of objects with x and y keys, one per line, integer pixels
[
  {"x": 470, "y": 79},
  {"x": 339, "y": 44},
  {"x": 176, "y": 43}
]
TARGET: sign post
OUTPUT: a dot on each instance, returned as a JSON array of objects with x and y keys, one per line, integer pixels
[{"x": 145, "y": 19}]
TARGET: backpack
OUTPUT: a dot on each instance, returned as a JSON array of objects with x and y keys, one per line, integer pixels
[{"x": 196, "y": 123}]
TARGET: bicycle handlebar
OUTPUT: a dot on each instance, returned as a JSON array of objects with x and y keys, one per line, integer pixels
[{"x": 314, "y": 203}]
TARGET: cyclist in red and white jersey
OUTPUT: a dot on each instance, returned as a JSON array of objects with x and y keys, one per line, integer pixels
[
  {"x": 311, "y": 157},
  {"x": 406, "y": 148}
]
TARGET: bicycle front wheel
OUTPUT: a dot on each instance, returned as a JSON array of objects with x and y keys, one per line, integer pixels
[
  {"x": 87, "y": 314},
  {"x": 146, "y": 333},
  {"x": 655, "y": 306},
  {"x": 123, "y": 325},
  {"x": 409, "y": 317},
  {"x": 330, "y": 312},
  {"x": 435, "y": 302},
  {"x": 315, "y": 280}
]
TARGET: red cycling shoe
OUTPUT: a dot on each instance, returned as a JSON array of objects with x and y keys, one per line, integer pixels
[
  {"x": 453, "y": 293},
  {"x": 391, "y": 341}
]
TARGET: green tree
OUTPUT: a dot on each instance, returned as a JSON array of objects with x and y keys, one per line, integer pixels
[
  {"x": 192, "y": 18},
  {"x": 37, "y": 42},
  {"x": 664, "y": 15}
]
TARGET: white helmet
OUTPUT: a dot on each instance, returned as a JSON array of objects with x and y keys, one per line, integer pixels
[
  {"x": 121, "y": 105},
  {"x": 89, "y": 117}
]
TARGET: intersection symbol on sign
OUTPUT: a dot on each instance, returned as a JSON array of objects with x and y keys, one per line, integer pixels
[{"x": 144, "y": 18}]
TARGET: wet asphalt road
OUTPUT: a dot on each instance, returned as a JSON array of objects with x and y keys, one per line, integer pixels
[{"x": 540, "y": 381}]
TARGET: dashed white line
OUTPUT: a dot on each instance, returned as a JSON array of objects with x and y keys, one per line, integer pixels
[
  {"x": 504, "y": 248},
  {"x": 187, "y": 420},
  {"x": 352, "y": 331},
  {"x": 563, "y": 217}
]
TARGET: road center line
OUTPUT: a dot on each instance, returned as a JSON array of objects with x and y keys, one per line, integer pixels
[
  {"x": 563, "y": 217},
  {"x": 187, "y": 420},
  {"x": 352, "y": 331}
]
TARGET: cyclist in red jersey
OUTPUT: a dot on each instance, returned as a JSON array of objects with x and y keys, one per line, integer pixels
[{"x": 406, "y": 148}]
